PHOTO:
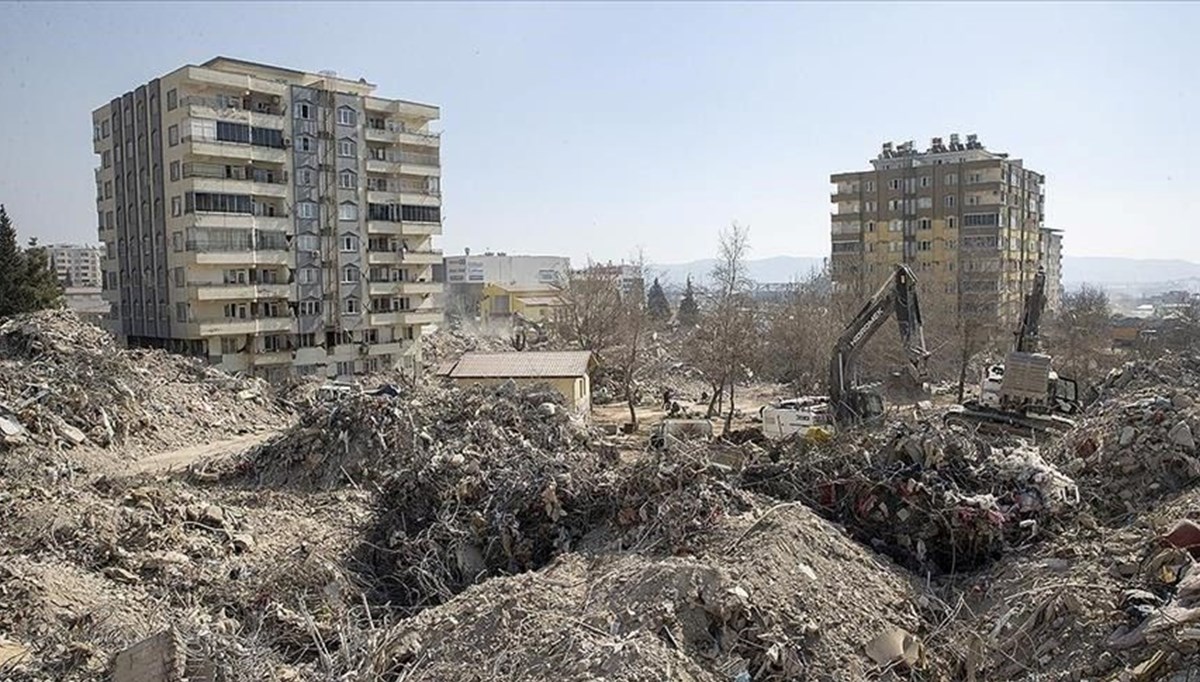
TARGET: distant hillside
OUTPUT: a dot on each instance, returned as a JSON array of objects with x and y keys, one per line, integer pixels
[
  {"x": 1099, "y": 270},
  {"x": 765, "y": 270},
  {"x": 1114, "y": 270}
]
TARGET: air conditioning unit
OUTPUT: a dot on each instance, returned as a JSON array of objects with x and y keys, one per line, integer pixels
[
  {"x": 287, "y": 142},
  {"x": 314, "y": 254}
]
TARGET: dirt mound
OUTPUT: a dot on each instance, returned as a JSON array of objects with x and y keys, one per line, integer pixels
[
  {"x": 932, "y": 497},
  {"x": 1137, "y": 443},
  {"x": 65, "y": 384},
  {"x": 776, "y": 597}
]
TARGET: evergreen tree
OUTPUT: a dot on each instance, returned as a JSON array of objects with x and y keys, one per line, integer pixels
[
  {"x": 40, "y": 287},
  {"x": 657, "y": 305},
  {"x": 11, "y": 269},
  {"x": 689, "y": 312},
  {"x": 26, "y": 281}
]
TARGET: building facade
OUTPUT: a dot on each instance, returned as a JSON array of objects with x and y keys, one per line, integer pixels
[
  {"x": 76, "y": 265},
  {"x": 467, "y": 276},
  {"x": 968, "y": 221},
  {"x": 270, "y": 220},
  {"x": 1052, "y": 261}
]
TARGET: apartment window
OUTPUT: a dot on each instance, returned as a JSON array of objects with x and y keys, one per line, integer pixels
[
  {"x": 870, "y": 226},
  {"x": 975, "y": 178},
  {"x": 172, "y": 99},
  {"x": 304, "y": 110},
  {"x": 869, "y": 206},
  {"x": 235, "y": 276},
  {"x": 305, "y": 143},
  {"x": 925, "y": 224},
  {"x": 895, "y": 204},
  {"x": 347, "y": 148},
  {"x": 348, "y": 211},
  {"x": 174, "y": 170},
  {"x": 172, "y": 136},
  {"x": 176, "y": 207},
  {"x": 409, "y": 333},
  {"x": 306, "y": 340},
  {"x": 371, "y": 336},
  {"x": 349, "y": 274},
  {"x": 949, "y": 200},
  {"x": 231, "y": 345},
  {"x": 950, "y": 246},
  {"x": 924, "y": 202},
  {"x": 350, "y": 306},
  {"x": 924, "y": 180},
  {"x": 304, "y": 177},
  {"x": 106, "y": 158},
  {"x": 924, "y": 246},
  {"x": 870, "y": 185},
  {"x": 104, "y": 129},
  {"x": 306, "y": 275},
  {"x": 346, "y": 116},
  {"x": 951, "y": 222},
  {"x": 349, "y": 243},
  {"x": 181, "y": 312},
  {"x": 308, "y": 308},
  {"x": 108, "y": 189},
  {"x": 951, "y": 178},
  {"x": 345, "y": 368},
  {"x": 895, "y": 183},
  {"x": 308, "y": 242},
  {"x": 347, "y": 179},
  {"x": 980, "y": 219},
  {"x": 896, "y": 226},
  {"x": 306, "y": 209},
  {"x": 179, "y": 277}
]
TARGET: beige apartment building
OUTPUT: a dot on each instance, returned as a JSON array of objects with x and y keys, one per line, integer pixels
[
  {"x": 269, "y": 220},
  {"x": 75, "y": 265},
  {"x": 969, "y": 221}
]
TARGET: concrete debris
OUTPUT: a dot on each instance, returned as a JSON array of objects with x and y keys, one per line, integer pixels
[{"x": 65, "y": 385}]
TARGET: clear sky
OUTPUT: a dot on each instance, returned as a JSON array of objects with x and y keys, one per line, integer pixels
[{"x": 594, "y": 129}]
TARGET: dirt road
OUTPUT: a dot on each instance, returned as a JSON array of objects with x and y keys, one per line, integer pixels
[{"x": 174, "y": 460}]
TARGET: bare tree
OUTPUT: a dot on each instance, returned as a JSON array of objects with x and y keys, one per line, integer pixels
[
  {"x": 632, "y": 327},
  {"x": 800, "y": 332},
  {"x": 1081, "y": 334},
  {"x": 724, "y": 342},
  {"x": 590, "y": 317}
]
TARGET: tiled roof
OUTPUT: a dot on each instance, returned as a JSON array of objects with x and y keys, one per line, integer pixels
[{"x": 522, "y": 365}]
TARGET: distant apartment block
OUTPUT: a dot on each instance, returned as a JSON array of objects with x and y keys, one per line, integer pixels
[
  {"x": 467, "y": 276},
  {"x": 76, "y": 265},
  {"x": 1051, "y": 250},
  {"x": 270, "y": 220},
  {"x": 969, "y": 221}
]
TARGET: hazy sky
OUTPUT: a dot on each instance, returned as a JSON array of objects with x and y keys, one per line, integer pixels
[{"x": 593, "y": 129}]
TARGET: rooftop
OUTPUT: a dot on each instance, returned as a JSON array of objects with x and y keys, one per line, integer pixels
[{"x": 514, "y": 365}]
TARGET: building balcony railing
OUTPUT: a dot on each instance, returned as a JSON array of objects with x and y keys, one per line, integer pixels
[
  {"x": 227, "y": 292},
  {"x": 413, "y": 317},
  {"x": 230, "y": 327},
  {"x": 231, "y": 104},
  {"x": 404, "y": 288}
]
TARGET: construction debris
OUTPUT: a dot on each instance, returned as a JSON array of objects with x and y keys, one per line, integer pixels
[{"x": 65, "y": 384}]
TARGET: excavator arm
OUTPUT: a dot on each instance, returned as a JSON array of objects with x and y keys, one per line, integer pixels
[
  {"x": 1031, "y": 316},
  {"x": 897, "y": 296}
]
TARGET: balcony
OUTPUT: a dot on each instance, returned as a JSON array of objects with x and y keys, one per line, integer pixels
[
  {"x": 234, "y": 81},
  {"x": 232, "y": 110},
  {"x": 404, "y": 288},
  {"x": 261, "y": 325},
  {"x": 407, "y": 317},
  {"x": 404, "y": 258},
  {"x": 256, "y": 188},
  {"x": 260, "y": 358},
  {"x": 408, "y": 228},
  {"x": 242, "y": 220},
  {"x": 392, "y": 348},
  {"x": 240, "y": 151},
  {"x": 231, "y": 257},
  {"x": 228, "y": 292}
]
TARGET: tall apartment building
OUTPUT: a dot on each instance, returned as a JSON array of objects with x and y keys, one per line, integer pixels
[
  {"x": 75, "y": 265},
  {"x": 269, "y": 220},
  {"x": 1052, "y": 261},
  {"x": 969, "y": 221}
]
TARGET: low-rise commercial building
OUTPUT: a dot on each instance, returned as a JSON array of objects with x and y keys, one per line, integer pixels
[{"x": 565, "y": 371}]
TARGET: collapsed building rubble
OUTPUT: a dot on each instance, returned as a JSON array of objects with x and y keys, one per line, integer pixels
[
  {"x": 65, "y": 384},
  {"x": 934, "y": 498}
]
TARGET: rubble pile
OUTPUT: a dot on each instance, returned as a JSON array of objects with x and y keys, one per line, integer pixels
[
  {"x": 775, "y": 594},
  {"x": 1137, "y": 443},
  {"x": 367, "y": 437},
  {"x": 448, "y": 344},
  {"x": 64, "y": 383},
  {"x": 933, "y": 498},
  {"x": 248, "y": 577}
]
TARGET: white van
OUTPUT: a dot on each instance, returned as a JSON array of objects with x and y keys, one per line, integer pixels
[{"x": 796, "y": 415}]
